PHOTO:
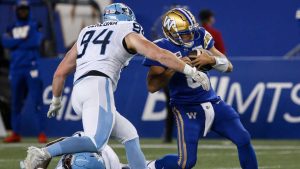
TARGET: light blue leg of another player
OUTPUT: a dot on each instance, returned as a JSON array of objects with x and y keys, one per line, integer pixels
[
  {"x": 135, "y": 156},
  {"x": 88, "y": 144}
]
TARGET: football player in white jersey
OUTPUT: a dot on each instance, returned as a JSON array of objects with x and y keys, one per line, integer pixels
[
  {"x": 98, "y": 56},
  {"x": 106, "y": 159}
]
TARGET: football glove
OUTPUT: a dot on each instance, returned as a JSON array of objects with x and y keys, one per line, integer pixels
[
  {"x": 202, "y": 78},
  {"x": 54, "y": 107}
]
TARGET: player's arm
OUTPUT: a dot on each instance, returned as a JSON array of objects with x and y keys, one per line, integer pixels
[
  {"x": 9, "y": 42},
  {"x": 138, "y": 43},
  {"x": 66, "y": 66},
  {"x": 158, "y": 77},
  {"x": 216, "y": 59},
  {"x": 221, "y": 62}
]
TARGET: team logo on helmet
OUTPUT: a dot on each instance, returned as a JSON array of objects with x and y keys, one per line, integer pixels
[{"x": 169, "y": 23}]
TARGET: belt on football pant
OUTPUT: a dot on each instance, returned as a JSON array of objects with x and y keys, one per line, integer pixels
[{"x": 92, "y": 73}]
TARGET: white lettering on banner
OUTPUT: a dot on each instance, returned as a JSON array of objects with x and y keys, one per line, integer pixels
[
  {"x": 236, "y": 92},
  {"x": 223, "y": 85},
  {"x": 46, "y": 95},
  {"x": 296, "y": 99},
  {"x": 213, "y": 82},
  {"x": 278, "y": 87},
  {"x": 149, "y": 114},
  {"x": 66, "y": 106},
  {"x": 294, "y": 94},
  {"x": 235, "y": 95}
]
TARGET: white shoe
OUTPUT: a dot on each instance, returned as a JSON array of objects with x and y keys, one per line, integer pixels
[
  {"x": 37, "y": 158},
  {"x": 151, "y": 164}
]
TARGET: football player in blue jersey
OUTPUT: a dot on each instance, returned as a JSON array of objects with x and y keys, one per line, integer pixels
[{"x": 196, "y": 110}]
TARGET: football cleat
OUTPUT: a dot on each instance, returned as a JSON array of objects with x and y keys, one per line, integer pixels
[
  {"x": 14, "y": 138},
  {"x": 37, "y": 158},
  {"x": 42, "y": 138},
  {"x": 151, "y": 164}
]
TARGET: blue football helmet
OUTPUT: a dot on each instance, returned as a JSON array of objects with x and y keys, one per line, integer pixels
[
  {"x": 84, "y": 160},
  {"x": 118, "y": 12}
]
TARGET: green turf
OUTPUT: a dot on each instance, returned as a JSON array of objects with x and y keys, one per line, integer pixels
[{"x": 212, "y": 154}]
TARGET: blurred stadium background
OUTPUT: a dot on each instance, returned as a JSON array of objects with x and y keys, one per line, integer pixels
[{"x": 262, "y": 39}]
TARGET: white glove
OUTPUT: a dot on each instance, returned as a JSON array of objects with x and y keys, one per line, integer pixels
[
  {"x": 54, "y": 107},
  {"x": 202, "y": 79},
  {"x": 198, "y": 76}
]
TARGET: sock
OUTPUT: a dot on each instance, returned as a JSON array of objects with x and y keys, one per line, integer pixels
[
  {"x": 247, "y": 157},
  {"x": 72, "y": 145},
  {"x": 135, "y": 156}
]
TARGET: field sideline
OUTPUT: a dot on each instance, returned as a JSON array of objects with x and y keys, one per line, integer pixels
[{"x": 212, "y": 154}]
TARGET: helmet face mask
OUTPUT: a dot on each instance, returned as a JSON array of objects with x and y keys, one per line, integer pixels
[{"x": 179, "y": 27}]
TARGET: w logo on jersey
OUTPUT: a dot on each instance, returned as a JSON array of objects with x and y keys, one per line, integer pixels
[
  {"x": 192, "y": 115},
  {"x": 168, "y": 22},
  {"x": 20, "y": 32}
]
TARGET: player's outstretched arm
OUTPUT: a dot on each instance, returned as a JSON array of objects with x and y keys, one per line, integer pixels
[
  {"x": 141, "y": 45},
  {"x": 66, "y": 66},
  {"x": 158, "y": 77},
  {"x": 138, "y": 43}
]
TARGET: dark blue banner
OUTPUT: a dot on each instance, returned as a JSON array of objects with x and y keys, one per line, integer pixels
[{"x": 266, "y": 93}]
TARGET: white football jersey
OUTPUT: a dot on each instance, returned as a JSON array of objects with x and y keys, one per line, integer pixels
[{"x": 100, "y": 47}]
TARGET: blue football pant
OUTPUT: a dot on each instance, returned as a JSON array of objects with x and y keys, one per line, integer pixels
[
  {"x": 24, "y": 84},
  {"x": 190, "y": 130}
]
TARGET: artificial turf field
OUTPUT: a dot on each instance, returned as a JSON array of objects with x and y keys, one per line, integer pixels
[{"x": 212, "y": 154}]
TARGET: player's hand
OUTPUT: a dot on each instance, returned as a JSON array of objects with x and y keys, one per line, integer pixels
[
  {"x": 187, "y": 60},
  {"x": 54, "y": 107},
  {"x": 203, "y": 79},
  {"x": 203, "y": 58}
]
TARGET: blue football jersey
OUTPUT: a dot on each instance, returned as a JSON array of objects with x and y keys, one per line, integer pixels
[{"x": 184, "y": 90}]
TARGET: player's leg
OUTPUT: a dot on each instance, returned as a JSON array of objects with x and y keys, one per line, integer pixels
[
  {"x": 18, "y": 91},
  {"x": 233, "y": 129},
  {"x": 110, "y": 158},
  {"x": 190, "y": 128},
  {"x": 35, "y": 93},
  {"x": 93, "y": 96},
  {"x": 126, "y": 133}
]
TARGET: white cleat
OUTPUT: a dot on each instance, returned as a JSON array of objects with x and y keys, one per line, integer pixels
[
  {"x": 37, "y": 158},
  {"x": 151, "y": 164}
]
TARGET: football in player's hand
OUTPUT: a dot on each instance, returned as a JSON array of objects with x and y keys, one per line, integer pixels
[{"x": 195, "y": 53}]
